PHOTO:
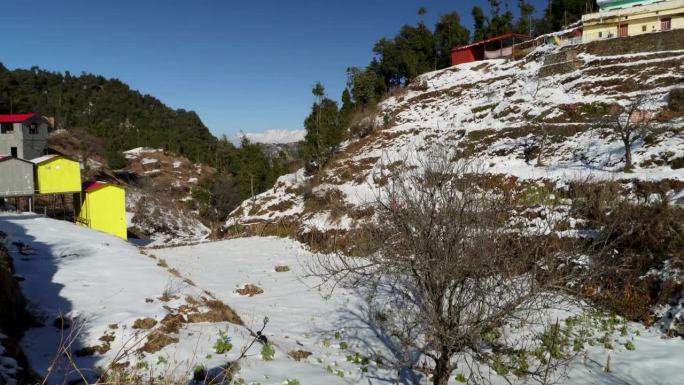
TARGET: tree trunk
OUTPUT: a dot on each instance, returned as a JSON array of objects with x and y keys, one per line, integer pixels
[
  {"x": 442, "y": 369},
  {"x": 628, "y": 156}
]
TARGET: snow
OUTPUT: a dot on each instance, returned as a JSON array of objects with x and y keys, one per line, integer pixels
[
  {"x": 147, "y": 161},
  {"x": 99, "y": 280},
  {"x": 8, "y": 366},
  {"x": 139, "y": 151},
  {"x": 275, "y": 136}
]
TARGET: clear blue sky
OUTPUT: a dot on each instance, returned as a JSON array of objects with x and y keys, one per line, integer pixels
[{"x": 242, "y": 65}]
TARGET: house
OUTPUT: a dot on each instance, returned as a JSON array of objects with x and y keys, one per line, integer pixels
[
  {"x": 16, "y": 177},
  {"x": 102, "y": 207},
  {"x": 23, "y": 136},
  {"x": 622, "y": 18},
  {"x": 57, "y": 174},
  {"x": 493, "y": 48}
]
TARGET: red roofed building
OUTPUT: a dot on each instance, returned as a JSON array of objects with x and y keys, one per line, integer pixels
[
  {"x": 23, "y": 135},
  {"x": 493, "y": 48}
]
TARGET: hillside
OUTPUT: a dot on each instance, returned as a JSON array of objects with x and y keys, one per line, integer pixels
[
  {"x": 106, "y": 108},
  {"x": 538, "y": 119}
]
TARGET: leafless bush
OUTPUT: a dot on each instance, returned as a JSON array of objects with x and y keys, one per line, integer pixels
[
  {"x": 444, "y": 269},
  {"x": 630, "y": 124}
]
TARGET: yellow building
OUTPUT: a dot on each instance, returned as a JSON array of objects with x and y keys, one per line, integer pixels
[
  {"x": 56, "y": 174},
  {"x": 103, "y": 208},
  {"x": 622, "y": 18}
]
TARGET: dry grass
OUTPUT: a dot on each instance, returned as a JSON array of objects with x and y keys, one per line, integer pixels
[
  {"x": 250, "y": 290},
  {"x": 144, "y": 323},
  {"x": 282, "y": 269},
  {"x": 156, "y": 341},
  {"x": 299, "y": 355},
  {"x": 218, "y": 312}
]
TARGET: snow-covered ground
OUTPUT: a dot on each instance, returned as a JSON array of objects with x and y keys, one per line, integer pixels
[
  {"x": 102, "y": 285},
  {"x": 331, "y": 329}
]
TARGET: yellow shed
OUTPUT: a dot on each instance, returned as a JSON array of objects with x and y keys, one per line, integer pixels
[
  {"x": 104, "y": 208},
  {"x": 57, "y": 174}
]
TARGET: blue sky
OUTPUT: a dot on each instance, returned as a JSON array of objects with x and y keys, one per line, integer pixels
[{"x": 242, "y": 65}]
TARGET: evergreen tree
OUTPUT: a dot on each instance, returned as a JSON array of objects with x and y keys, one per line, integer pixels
[
  {"x": 449, "y": 33},
  {"x": 525, "y": 22},
  {"x": 481, "y": 24},
  {"x": 324, "y": 130}
]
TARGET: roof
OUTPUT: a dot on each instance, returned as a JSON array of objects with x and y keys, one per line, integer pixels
[
  {"x": 16, "y": 118},
  {"x": 7, "y": 157},
  {"x": 46, "y": 158},
  {"x": 491, "y": 39},
  {"x": 91, "y": 186}
]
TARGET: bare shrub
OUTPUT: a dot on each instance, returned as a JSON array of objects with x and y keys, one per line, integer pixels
[
  {"x": 630, "y": 124},
  {"x": 444, "y": 270}
]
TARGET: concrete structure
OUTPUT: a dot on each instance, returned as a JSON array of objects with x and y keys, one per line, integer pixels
[
  {"x": 494, "y": 48},
  {"x": 16, "y": 177},
  {"x": 57, "y": 174},
  {"x": 622, "y": 18},
  {"x": 610, "y": 5},
  {"x": 102, "y": 207},
  {"x": 23, "y": 136}
]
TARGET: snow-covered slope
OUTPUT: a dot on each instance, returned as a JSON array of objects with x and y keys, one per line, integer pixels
[
  {"x": 88, "y": 289},
  {"x": 501, "y": 114},
  {"x": 333, "y": 328}
]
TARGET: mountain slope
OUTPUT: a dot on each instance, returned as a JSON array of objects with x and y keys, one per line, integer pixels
[
  {"x": 502, "y": 114},
  {"x": 106, "y": 108}
]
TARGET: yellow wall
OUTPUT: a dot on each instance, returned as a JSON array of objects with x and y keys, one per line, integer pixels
[
  {"x": 59, "y": 175},
  {"x": 104, "y": 209},
  {"x": 608, "y": 24}
]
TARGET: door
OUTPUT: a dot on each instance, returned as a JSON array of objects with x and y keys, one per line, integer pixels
[
  {"x": 666, "y": 24},
  {"x": 623, "y": 30},
  {"x": 14, "y": 152}
]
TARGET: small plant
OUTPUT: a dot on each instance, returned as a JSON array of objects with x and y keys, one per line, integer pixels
[
  {"x": 340, "y": 373},
  {"x": 161, "y": 360},
  {"x": 498, "y": 366},
  {"x": 199, "y": 373},
  {"x": 292, "y": 382},
  {"x": 630, "y": 345},
  {"x": 222, "y": 345},
  {"x": 358, "y": 359},
  {"x": 326, "y": 343},
  {"x": 142, "y": 365},
  {"x": 267, "y": 352},
  {"x": 344, "y": 345}
]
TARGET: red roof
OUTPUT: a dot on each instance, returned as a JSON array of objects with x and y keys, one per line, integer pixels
[
  {"x": 16, "y": 118},
  {"x": 491, "y": 39},
  {"x": 92, "y": 186}
]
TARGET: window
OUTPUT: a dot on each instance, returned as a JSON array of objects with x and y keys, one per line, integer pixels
[
  {"x": 666, "y": 24},
  {"x": 14, "y": 152},
  {"x": 643, "y": 28},
  {"x": 33, "y": 129},
  {"x": 6, "y": 128},
  {"x": 600, "y": 34}
]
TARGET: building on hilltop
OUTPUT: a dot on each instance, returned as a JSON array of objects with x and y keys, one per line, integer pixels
[
  {"x": 102, "y": 207},
  {"x": 493, "y": 48},
  {"x": 623, "y": 18},
  {"x": 23, "y": 135}
]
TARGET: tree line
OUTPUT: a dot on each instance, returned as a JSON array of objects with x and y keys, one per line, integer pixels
[
  {"x": 417, "y": 49},
  {"x": 122, "y": 119}
]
